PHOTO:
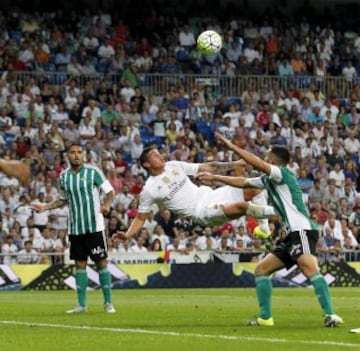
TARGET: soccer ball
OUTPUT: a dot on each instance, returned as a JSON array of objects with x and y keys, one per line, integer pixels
[{"x": 209, "y": 42}]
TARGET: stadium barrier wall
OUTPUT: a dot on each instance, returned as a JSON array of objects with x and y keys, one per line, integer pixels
[
  {"x": 169, "y": 275},
  {"x": 221, "y": 85}
]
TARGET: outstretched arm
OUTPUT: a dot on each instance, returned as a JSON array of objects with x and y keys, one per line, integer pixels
[
  {"x": 134, "y": 228},
  {"x": 218, "y": 167},
  {"x": 239, "y": 182},
  {"x": 49, "y": 206},
  {"x": 253, "y": 160}
]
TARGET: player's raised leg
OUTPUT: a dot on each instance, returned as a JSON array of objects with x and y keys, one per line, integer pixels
[
  {"x": 238, "y": 209},
  {"x": 262, "y": 231},
  {"x": 16, "y": 169}
]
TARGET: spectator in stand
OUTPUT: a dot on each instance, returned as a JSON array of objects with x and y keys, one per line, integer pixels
[
  {"x": 319, "y": 213},
  {"x": 130, "y": 74},
  {"x": 349, "y": 72},
  {"x": 155, "y": 245},
  {"x": 9, "y": 251},
  {"x": 40, "y": 220},
  {"x": 121, "y": 215},
  {"x": 328, "y": 244},
  {"x": 62, "y": 59},
  {"x": 305, "y": 183},
  {"x": 93, "y": 111},
  {"x": 352, "y": 143},
  {"x": 61, "y": 244},
  {"x": 138, "y": 185},
  {"x": 344, "y": 210},
  {"x": 74, "y": 67},
  {"x": 297, "y": 64},
  {"x": 139, "y": 246},
  {"x": 86, "y": 129},
  {"x": 177, "y": 246},
  {"x": 28, "y": 255},
  {"x": 124, "y": 197},
  {"x": 186, "y": 38},
  {"x": 115, "y": 181},
  {"x": 206, "y": 241},
  {"x": 88, "y": 68},
  {"x": 338, "y": 175},
  {"x": 166, "y": 220},
  {"x": 105, "y": 54}
]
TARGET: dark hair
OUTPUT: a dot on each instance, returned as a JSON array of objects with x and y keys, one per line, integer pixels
[
  {"x": 73, "y": 144},
  {"x": 153, "y": 245},
  {"x": 282, "y": 153},
  {"x": 144, "y": 154}
]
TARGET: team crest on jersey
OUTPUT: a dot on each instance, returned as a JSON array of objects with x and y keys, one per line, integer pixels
[
  {"x": 166, "y": 180},
  {"x": 175, "y": 172}
]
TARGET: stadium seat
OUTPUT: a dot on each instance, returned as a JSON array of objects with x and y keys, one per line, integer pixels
[
  {"x": 9, "y": 139},
  {"x": 234, "y": 100},
  {"x": 182, "y": 55}
]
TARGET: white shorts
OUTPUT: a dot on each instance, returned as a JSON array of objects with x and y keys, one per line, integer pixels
[{"x": 209, "y": 210}]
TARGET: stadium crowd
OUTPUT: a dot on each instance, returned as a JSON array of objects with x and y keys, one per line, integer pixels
[{"x": 115, "y": 121}]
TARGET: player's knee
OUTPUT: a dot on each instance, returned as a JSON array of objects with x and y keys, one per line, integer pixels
[
  {"x": 309, "y": 268},
  {"x": 308, "y": 265},
  {"x": 242, "y": 207},
  {"x": 101, "y": 264},
  {"x": 261, "y": 269}
]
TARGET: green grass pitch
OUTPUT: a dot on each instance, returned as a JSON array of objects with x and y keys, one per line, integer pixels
[{"x": 186, "y": 319}]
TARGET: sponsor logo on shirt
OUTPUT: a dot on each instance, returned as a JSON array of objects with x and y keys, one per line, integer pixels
[{"x": 175, "y": 187}]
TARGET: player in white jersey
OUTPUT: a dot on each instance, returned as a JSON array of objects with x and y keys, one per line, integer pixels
[
  {"x": 16, "y": 169},
  {"x": 299, "y": 245},
  {"x": 169, "y": 186},
  {"x": 80, "y": 185}
]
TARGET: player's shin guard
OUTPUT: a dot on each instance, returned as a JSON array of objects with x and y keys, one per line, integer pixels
[
  {"x": 81, "y": 279},
  {"x": 105, "y": 282},
  {"x": 322, "y": 292},
  {"x": 264, "y": 292}
]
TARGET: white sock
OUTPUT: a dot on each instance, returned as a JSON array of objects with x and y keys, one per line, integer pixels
[
  {"x": 260, "y": 211},
  {"x": 260, "y": 199},
  {"x": 264, "y": 225}
]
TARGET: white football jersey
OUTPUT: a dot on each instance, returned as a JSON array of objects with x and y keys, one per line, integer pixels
[{"x": 173, "y": 189}]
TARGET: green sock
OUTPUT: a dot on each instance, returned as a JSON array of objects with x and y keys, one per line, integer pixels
[
  {"x": 81, "y": 279},
  {"x": 322, "y": 292},
  {"x": 264, "y": 292},
  {"x": 105, "y": 282}
]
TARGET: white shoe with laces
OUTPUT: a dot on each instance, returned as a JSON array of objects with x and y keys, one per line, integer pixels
[
  {"x": 77, "y": 309},
  {"x": 332, "y": 320},
  {"x": 109, "y": 308}
]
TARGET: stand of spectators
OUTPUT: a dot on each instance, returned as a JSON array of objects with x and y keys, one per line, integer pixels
[{"x": 114, "y": 120}]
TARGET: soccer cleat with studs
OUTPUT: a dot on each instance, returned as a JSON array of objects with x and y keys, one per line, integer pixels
[
  {"x": 260, "y": 322},
  {"x": 332, "y": 320},
  {"x": 109, "y": 308}
]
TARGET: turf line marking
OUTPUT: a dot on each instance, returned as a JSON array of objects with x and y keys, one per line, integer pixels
[{"x": 191, "y": 335}]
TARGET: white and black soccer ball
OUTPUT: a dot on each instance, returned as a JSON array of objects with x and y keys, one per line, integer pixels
[{"x": 209, "y": 42}]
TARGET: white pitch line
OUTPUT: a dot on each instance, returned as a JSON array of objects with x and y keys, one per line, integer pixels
[{"x": 190, "y": 335}]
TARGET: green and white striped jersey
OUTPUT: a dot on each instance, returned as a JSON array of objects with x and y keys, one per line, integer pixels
[
  {"x": 286, "y": 196},
  {"x": 82, "y": 192}
]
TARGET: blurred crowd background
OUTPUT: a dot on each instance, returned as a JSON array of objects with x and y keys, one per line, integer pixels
[{"x": 116, "y": 84}]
